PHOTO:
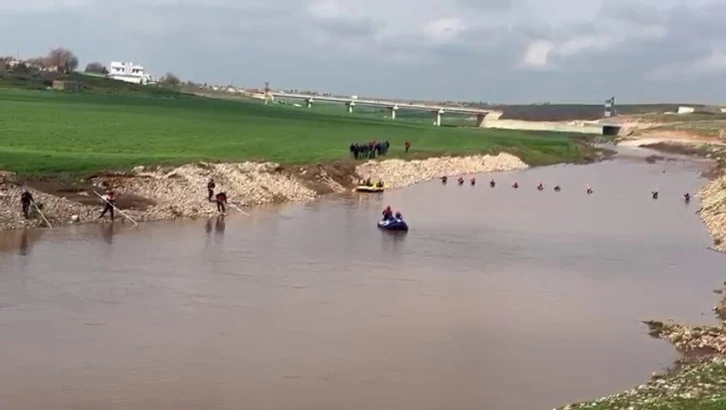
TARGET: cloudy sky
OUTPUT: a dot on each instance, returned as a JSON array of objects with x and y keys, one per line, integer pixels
[{"x": 489, "y": 50}]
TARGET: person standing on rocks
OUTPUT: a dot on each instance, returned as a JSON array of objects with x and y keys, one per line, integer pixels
[
  {"x": 210, "y": 189},
  {"x": 221, "y": 201},
  {"x": 109, "y": 201},
  {"x": 26, "y": 199}
]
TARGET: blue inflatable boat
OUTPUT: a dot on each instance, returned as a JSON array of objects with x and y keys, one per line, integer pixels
[{"x": 393, "y": 224}]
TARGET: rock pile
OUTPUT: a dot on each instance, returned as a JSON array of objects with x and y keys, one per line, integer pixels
[
  {"x": 713, "y": 211},
  {"x": 149, "y": 194},
  {"x": 703, "y": 382},
  {"x": 181, "y": 192},
  {"x": 398, "y": 173},
  {"x": 59, "y": 211},
  {"x": 691, "y": 338}
]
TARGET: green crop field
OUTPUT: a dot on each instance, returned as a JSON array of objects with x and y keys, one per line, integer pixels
[{"x": 48, "y": 132}]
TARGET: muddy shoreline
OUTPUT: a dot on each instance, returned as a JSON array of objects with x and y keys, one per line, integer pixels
[
  {"x": 698, "y": 377},
  {"x": 168, "y": 193}
]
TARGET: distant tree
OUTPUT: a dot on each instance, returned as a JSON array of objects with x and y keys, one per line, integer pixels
[
  {"x": 62, "y": 59},
  {"x": 96, "y": 68},
  {"x": 38, "y": 63},
  {"x": 170, "y": 80}
]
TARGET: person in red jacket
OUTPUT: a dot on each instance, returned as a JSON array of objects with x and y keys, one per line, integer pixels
[
  {"x": 387, "y": 213},
  {"x": 407, "y": 145},
  {"x": 221, "y": 201}
]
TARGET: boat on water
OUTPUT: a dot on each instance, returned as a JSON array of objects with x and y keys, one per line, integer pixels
[
  {"x": 393, "y": 224},
  {"x": 368, "y": 188}
]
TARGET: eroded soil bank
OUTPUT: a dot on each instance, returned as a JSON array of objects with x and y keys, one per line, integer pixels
[{"x": 152, "y": 194}]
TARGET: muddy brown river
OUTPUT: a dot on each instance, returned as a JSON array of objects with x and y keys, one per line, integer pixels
[{"x": 496, "y": 299}]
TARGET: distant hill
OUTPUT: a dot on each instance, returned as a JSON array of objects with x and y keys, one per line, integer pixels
[{"x": 37, "y": 80}]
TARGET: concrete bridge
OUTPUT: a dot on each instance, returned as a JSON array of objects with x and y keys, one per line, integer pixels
[{"x": 436, "y": 110}]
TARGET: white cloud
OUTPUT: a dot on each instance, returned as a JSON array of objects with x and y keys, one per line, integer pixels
[
  {"x": 303, "y": 42},
  {"x": 444, "y": 30},
  {"x": 712, "y": 64},
  {"x": 536, "y": 56}
]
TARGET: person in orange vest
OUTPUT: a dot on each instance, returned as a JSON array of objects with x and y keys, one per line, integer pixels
[{"x": 407, "y": 145}]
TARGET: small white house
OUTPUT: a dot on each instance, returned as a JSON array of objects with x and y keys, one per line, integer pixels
[
  {"x": 129, "y": 72},
  {"x": 686, "y": 110}
]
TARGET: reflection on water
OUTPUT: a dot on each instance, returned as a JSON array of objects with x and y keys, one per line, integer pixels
[{"x": 492, "y": 293}]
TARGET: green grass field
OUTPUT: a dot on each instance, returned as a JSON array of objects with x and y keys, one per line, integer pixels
[{"x": 49, "y": 132}]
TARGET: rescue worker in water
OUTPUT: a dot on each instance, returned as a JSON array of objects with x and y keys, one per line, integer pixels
[{"x": 26, "y": 198}]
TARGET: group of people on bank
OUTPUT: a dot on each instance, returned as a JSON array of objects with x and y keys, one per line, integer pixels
[
  {"x": 108, "y": 201},
  {"x": 369, "y": 150}
]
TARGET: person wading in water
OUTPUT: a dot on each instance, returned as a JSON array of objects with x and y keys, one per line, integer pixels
[
  {"x": 26, "y": 198},
  {"x": 210, "y": 189}
]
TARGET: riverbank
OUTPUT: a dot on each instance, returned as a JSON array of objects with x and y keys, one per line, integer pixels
[
  {"x": 698, "y": 379},
  {"x": 166, "y": 193}
]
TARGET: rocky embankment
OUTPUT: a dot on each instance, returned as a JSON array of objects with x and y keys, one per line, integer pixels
[
  {"x": 163, "y": 193},
  {"x": 713, "y": 211},
  {"x": 399, "y": 173},
  {"x": 697, "y": 381}
]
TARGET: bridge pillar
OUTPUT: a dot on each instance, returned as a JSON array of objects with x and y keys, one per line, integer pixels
[
  {"x": 437, "y": 117},
  {"x": 480, "y": 119},
  {"x": 309, "y": 102},
  {"x": 393, "y": 111}
]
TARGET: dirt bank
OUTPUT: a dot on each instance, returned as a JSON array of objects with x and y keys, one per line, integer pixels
[
  {"x": 163, "y": 193},
  {"x": 696, "y": 381},
  {"x": 713, "y": 211},
  {"x": 398, "y": 173}
]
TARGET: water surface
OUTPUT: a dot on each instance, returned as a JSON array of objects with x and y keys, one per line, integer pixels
[{"x": 496, "y": 299}]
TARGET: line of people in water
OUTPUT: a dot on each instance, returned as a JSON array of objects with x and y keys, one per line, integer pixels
[{"x": 540, "y": 187}]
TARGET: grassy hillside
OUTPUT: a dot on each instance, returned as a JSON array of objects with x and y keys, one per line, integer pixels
[{"x": 55, "y": 132}]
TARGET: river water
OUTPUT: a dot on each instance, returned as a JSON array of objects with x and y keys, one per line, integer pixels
[{"x": 496, "y": 299}]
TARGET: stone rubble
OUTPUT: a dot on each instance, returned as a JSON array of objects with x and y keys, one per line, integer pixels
[
  {"x": 397, "y": 173},
  {"x": 702, "y": 378},
  {"x": 713, "y": 211},
  {"x": 180, "y": 192}
]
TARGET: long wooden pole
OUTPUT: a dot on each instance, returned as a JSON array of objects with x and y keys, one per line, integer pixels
[
  {"x": 42, "y": 216},
  {"x": 114, "y": 207},
  {"x": 241, "y": 211}
]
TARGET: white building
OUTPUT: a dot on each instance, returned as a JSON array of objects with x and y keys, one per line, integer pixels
[{"x": 129, "y": 72}]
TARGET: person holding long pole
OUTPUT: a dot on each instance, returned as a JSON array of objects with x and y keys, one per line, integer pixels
[
  {"x": 26, "y": 199},
  {"x": 109, "y": 201}
]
